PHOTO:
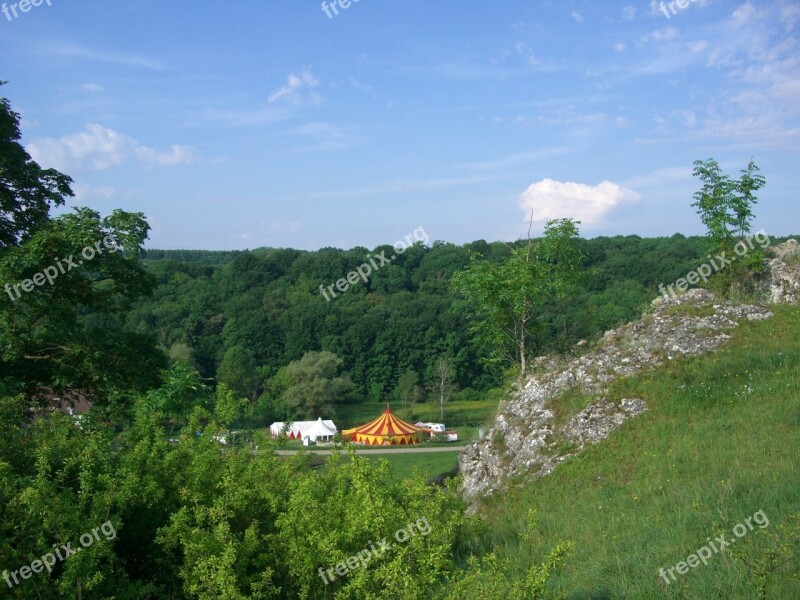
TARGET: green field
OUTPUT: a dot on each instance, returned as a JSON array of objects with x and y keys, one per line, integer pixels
[
  {"x": 721, "y": 441},
  {"x": 430, "y": 464}
]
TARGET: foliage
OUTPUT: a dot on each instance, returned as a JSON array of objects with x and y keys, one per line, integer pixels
[
  {"x": 201, "y": 304},
  {"x": 408, "y": 391},
  {"x": 196, "y": 520},
  {"x": 509, "y": 298},
  {"x": 66, "y": 331},
  {"x": 491, "y": 577},
  {"x": 725, "y": 206},
  {"x": 442, "y": 384},
  {"x": 311, "y": 385},
  {"x": 27, "y": 192}
]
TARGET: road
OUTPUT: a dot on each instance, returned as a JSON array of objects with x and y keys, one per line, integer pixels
[{"x": 379, "y": 451}]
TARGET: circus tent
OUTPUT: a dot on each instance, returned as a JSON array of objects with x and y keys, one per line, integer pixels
[{"x": 386, "y": 430}]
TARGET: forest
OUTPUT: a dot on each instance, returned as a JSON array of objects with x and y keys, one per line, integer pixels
[{"x": 240, "y": 317}]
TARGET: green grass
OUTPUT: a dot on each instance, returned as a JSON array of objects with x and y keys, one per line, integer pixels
[
  {"x": 721, "y": 441},
  {"x": 403, "y": 465},
  {"x": 431, "y": 465}
]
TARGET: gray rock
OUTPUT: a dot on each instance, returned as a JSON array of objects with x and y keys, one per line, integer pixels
[{"x": 784, "y": 279}]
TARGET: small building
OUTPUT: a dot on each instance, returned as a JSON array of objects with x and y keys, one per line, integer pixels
[{"x": 313, "y": 431}]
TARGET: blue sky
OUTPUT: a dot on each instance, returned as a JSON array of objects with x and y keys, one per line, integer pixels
[{"x": 264, "y": 123}]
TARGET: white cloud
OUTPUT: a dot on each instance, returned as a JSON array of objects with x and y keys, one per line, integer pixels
[
  {"x": 244, "y": 117},
  {"x": 75, "y": 51},
  {"x": 619, "y": 47},
  {"x": 323, "y": 136},
  {"x": 757, "y": 107},
  {"x": 697, "y": 47},
  {"x": 92, "y": 87},
  {"x": 745, "y": 15},
  {"x": 293, "y": 90},
  {"x": 525, "y": 52},
  {"x": 361, "y": 87},
  {"x": 83, "y": 192},
  {"x": 660, "y": 35},
  {"x": 628, "y": 12},
  {"x": 549, "y": 199},
  {"x": 790, "y": 15},
  {"x": 667, "y": 178},
  {"x": 577, "y": 16},
  {"x": 97, "y": 148}
]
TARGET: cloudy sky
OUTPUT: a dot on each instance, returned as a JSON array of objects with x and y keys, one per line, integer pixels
[{"x": 284, "y": 124}]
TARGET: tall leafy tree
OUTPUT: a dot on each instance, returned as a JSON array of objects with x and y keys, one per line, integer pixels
[
  {"x": 67, "y": 283},
  {"x": 725, "y": 206},
  {"x": 27, "y": 192},
  {"x": 408, "y": 391},
  {"x": 442, "y": 383},
  {"x": 314, "y": 385},
  {"x": 508, "y": 298}
]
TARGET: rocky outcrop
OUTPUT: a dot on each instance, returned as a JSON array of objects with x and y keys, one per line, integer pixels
[
  {"x": 784, "y": 278},
  {"x": 599, "y": 419},
  {"x": 529, "y": 438}
]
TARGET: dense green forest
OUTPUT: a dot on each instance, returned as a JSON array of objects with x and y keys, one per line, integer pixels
[{"x": 241, "y": 316}]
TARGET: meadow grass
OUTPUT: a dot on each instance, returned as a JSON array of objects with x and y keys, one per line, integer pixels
[
  {"x": 720, "y": 441},
  {"x": 429, "y": 464}
]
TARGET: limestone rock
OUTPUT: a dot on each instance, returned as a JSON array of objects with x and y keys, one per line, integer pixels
[{"x": 784, "y": 280}]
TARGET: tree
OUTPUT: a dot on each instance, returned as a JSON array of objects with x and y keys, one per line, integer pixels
[
  {"x": 67, "y": 284},
  {"x": 725, "y": 206},
  {"x": 238, "y": 371},
  {"x": 443, "y": 382},
  {"x": 408, "y": 391},
  {"x": 508, "y": 298},
  {"x": 26, "y": 190},
  {"x": 314, "y": 385}
]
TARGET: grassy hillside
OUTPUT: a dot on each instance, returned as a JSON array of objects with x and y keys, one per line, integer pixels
[{"x": 720, "y": 442}]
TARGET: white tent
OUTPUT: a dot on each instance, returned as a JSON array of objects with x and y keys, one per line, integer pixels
[{"x": 319, "y": 430}]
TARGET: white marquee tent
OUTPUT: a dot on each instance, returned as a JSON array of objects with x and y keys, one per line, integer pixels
[{"x": 314, "y": 431}]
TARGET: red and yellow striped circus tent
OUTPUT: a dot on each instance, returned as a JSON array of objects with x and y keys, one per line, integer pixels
[{"x": 386, "y": 430}]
